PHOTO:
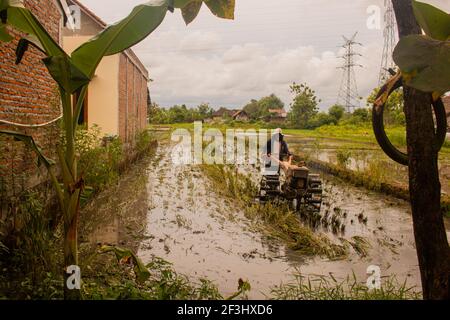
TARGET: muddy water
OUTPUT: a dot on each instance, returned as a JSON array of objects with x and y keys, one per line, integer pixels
[{"x": 205, "y": 236}]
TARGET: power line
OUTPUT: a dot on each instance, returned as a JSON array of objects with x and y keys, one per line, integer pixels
[
  {"x": 348, "y": 92},
  {"x": 390, "y": 39}
]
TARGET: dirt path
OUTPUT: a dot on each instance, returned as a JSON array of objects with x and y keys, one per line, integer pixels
[{"x": 206, "y": 236}]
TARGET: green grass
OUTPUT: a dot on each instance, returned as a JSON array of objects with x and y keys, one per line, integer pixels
[
  {"x": 357, "y": 133},
  {"x": 362, "y": 133},
  {"x": 328, "y": 288}
]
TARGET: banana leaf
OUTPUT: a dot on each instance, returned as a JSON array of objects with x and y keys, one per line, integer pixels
[
  {"x": 126, "y": 256},
  {"x": 191, "y": 10},
  {"x": 68, "y": 76},
  {"x": 5, "y": 4},
  {"x": 435, "y": 22},
  {"x": 425, "y": 59},
  {"x": 424, "y": 62},
  {"x": 24, "y": 44},
  {"x": 23, "y": 20},
  {"x": 4, "y": 34},
  {"x": 142, "y": 21},
  {"x": 29, "y": 142},
  {"x": 221, "y": 8}
]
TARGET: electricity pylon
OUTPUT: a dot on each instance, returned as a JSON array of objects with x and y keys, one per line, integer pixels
[
  {"x": 390, "y": 39},
  {"x": 348, "y": 93}
]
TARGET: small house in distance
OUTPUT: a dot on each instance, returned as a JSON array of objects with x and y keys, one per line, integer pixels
[
  {"x": 221, "y": 114},
  {"x": 227, "y": 114},
  {"x": 277, "y": 116},
  {"x": 241, "y": 115}
]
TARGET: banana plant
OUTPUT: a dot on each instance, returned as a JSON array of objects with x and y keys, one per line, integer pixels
[
  {"x": 73, "y": 74},
  {"x": 424, "y": 60}
]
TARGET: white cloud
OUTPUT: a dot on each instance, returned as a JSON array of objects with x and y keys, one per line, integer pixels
[
  {"x": 269, "y": 45},
  {"x": 247, "y": 71}
]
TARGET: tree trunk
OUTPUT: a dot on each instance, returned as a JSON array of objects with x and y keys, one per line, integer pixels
[{"x": 425, "y": 189}]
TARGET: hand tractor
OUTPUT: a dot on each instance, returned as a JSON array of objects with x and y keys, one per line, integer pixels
[{"x": 292, "y": 183}]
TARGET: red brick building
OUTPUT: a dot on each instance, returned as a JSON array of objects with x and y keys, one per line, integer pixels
[{"x": 29, "y": 95}]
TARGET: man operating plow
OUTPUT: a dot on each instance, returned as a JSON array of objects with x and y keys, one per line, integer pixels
[{"x": 283, "y": 180}]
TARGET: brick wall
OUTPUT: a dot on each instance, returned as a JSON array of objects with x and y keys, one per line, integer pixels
[
  {"x": 28, "y": 94},
  {"x": 132, "y": 97}
]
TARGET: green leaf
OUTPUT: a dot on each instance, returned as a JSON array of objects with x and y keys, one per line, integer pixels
[
  {"x": 435, "y": 22},
  {"x": 4, "y": 34},
  {"x": 5, "y": 4},
  {"x": 142, "y": 21},
  {"x": 190, "y": 11},
  {"x": 29, "y": 142},
  {"x": 126, "y": 255},
  {"x": 23, "y": 20},
  {"x": 424, "y": 62},
  {"x": 65, "y": 73},
  {"x": 180, "y": 4},
  {"x": 221, "y": 8},
  {"x": 23, "y": 45}
]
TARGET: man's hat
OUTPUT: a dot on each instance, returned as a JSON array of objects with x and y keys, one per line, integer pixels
[{"x": 278, "y": 131}]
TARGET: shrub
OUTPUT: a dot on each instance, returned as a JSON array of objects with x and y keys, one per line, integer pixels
[
  {"x": 99, "y": 158},
  {"x": 143, "y": 141},
  {"x": 321, "y": 119},
  {"x": 343, "y": 157}
]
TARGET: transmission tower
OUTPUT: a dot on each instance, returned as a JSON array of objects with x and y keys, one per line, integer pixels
[
  {"x": 348, "y": 93},
  {"x": 390, "y": 39}
]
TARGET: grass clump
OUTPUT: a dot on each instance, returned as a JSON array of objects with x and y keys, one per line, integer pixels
[
  {"x": 118, "y": 282},
  {"x": 343, "y": 157},
  {"x": 328, "y": 288}
]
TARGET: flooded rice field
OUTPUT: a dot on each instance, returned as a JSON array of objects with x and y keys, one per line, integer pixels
[
  {"x": 363, "y": 157},
  {"x": 204, "y": 235},
  {"x": 180, "y": 218}
]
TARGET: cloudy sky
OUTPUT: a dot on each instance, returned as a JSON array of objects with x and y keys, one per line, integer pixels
[{"x": 269, "y": 45}]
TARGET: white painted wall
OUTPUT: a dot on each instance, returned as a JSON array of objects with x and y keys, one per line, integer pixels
[{"x": 103, "y": 99}]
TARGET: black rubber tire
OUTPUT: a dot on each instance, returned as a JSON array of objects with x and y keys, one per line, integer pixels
[{"x": 385, "y": 143}]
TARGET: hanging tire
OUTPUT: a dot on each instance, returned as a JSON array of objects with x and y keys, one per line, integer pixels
[{"x": 382, "y": 138}]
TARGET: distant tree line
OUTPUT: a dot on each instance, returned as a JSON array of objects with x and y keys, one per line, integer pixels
[
  {"x": 259, "y": 109},
  {"x": 178, "y": 114},
  {"x": 304, "y": 111}
]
